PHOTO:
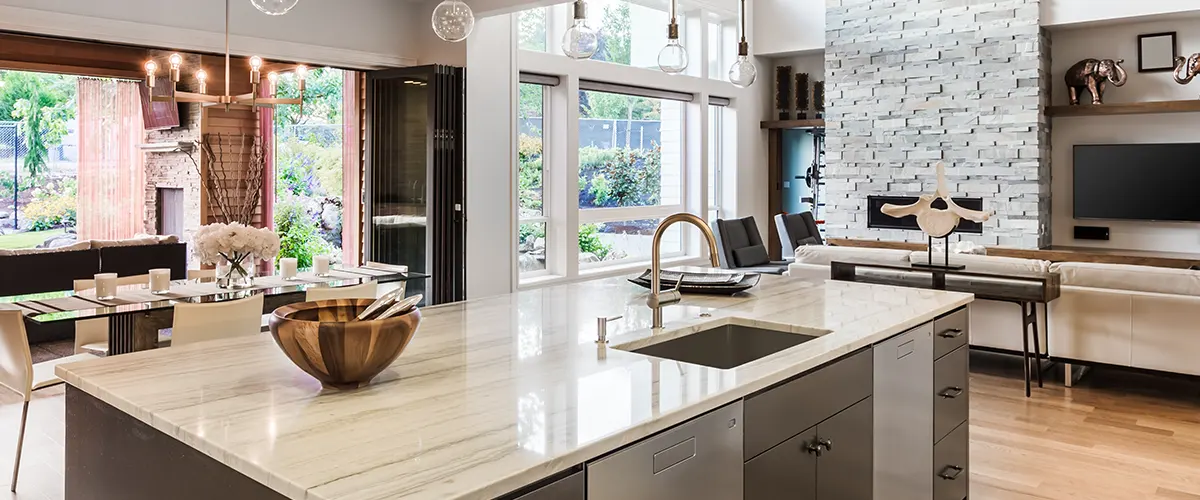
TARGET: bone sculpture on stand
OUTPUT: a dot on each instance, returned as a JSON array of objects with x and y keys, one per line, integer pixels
[{"x": 936, "y": 222}]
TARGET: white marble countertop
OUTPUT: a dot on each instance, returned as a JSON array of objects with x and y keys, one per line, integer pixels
[{"x": 492, "y": 394}]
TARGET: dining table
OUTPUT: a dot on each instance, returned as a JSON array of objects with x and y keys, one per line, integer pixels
[{"x": 136, "y": 315}]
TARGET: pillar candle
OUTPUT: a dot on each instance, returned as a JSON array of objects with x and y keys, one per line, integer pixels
[
  {"x": 287, "y": 267},
  {"x": 160, "y": 281},
  {"x": 321, "y": 265},
  {"x": 106, "y": 286}
]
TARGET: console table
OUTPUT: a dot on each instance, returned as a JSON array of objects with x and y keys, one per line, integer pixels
[
  {"x": 1028, "y": 289},
  {"x": 1055, "y": 253}
]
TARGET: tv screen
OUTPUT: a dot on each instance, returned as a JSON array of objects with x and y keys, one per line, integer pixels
[{"x": 1137, "y": 182}]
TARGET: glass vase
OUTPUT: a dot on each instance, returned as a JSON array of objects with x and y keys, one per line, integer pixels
[{"x": 235, "y": 271}]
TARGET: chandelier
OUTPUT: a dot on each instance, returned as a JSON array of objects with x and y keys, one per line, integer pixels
[{"x": 227, "y": 99}]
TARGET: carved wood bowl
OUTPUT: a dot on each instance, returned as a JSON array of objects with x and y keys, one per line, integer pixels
[{"x": 323, "y": 339}]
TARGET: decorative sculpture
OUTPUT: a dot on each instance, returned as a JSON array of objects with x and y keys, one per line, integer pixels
[
  {"x": 937, "y": 222},
  {"x": 1186, "y": 69},
  {"x": 1091, "y": 74}
]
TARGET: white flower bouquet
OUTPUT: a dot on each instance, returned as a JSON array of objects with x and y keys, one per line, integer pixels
[{"x": 234, "y": 248}]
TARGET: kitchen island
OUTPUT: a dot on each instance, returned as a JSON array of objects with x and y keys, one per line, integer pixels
[{"x": 492, "y": 396}]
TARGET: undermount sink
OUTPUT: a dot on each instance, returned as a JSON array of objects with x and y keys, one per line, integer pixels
[{"x": 726, "y": 346}]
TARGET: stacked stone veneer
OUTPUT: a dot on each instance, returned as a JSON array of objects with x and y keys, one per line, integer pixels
[
  {"x": 175, "y": 170},
  {"x": 914, "y": 82}
]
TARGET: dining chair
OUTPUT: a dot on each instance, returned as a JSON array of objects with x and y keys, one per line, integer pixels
[
  {"x": 202, "y": 275},
  {"x": 218, "y": 320},
  {"x": 19, "y": 374},
  {"x": 91, "y": 335},
  {"x": 364, "y": 291}
]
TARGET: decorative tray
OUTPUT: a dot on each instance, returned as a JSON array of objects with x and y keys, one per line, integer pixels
[{"x": 708, "y": 283}]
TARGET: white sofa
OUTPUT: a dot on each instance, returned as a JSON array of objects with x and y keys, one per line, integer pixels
[
  {"x": 994, "y": 324},
  {"x": 1135, "y": 316}
]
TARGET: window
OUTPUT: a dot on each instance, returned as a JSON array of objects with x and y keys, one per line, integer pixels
[
  {"x": 532, "y": 28},
  {"x": 531, "y": 232},
  {"x": 605, "y": 243},
  {"x": 716, "y": 70},
  {"x": 630, "y": 34},
  {"x": 715, "y": 131}
]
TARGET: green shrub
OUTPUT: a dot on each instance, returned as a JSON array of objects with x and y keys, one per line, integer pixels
[
  {"x": 298, "y": 236},
  {"x": 52, "y": 207},
  {"x": 589, "y": 241}
]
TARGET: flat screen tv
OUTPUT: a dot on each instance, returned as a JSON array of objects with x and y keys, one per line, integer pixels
[{"x": 1155, "y": 182}]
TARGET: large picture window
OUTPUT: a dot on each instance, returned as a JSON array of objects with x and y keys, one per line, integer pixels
[{"x": 532, "y": 226}]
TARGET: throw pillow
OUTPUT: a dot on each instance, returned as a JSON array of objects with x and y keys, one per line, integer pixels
[{"x": 750, "y": 256}]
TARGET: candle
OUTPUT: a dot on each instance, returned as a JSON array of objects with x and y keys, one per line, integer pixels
[
  {"x": 287, "y": 268},
  {"x": 160, "y": 281},
  {"x": 321, "y": 265},
  {"x": 106, "y": 286}
]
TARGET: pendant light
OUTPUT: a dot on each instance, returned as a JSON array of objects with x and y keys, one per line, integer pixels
[
  {"x": 673, "y": 58},
  {"x": 580, "y": 41},
  {"x": 274, "y": 7},
  {"x": 743, "y": 73},
  {"x": 453, "y": 20}
]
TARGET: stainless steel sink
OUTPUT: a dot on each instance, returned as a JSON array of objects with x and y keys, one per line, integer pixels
[{"x": 726, "y": 346}]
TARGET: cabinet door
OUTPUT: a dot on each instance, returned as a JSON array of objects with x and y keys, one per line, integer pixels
[
  {"x": 844, "y": 468},
  {"x": 567, "y": 488},
  {"x": 786, "y": 472}
]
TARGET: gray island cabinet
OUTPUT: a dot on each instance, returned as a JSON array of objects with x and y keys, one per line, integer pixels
[{"x": 888, "y": 422}]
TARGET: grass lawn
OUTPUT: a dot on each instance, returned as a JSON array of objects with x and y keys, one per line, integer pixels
[{"x": 27, "y": 240}]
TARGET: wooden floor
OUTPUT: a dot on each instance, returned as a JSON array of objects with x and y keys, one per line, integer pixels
[{"x": 1115, "y": 436}]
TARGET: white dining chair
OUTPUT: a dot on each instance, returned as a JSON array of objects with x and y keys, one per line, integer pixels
[
  {"x": 202, "y": 275},
  {"x": 364, "y": 291},
  {"x": 218, "y": 320},
  {"x": 91, "y": 335},
  {"x": 19, "y": 374}
]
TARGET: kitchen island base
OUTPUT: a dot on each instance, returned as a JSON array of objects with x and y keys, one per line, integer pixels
[{"x": 113, "y": 456}]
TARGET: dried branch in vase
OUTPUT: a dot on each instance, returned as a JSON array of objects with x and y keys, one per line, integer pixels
[{"x": 235, "y": 174}]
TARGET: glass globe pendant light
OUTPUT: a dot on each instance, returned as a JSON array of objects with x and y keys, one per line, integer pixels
[
  {"x": 580, "y": 41},
  {"x": 453, "y": 20},
  {"x": 274, "y": 7},
  {"x": 673, "y": 58},
  {"x": 743, "y": 73}
]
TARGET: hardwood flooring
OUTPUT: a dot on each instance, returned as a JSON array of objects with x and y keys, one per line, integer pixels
[{"x": 1114, "y": 436}]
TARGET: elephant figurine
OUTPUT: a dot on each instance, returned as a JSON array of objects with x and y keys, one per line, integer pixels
[
  {"x": 1091, "y": 74},
  {"x": 1186, "y": 69}
]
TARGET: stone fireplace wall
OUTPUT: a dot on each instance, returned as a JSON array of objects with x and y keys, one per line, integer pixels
[
  {"x": 175, "y": 170},
  {"x": 958, "y": 81}
]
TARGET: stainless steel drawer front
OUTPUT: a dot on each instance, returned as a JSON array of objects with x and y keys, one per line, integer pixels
[
  {"x": 951, "y": 392},
  {"x": 698, "y": 460},
  {"x": 567, "y": 488},
  {"x": 903, "y": 419},
  {"x": 951, "y": 465},
  {"x": 951, "y": 332}
]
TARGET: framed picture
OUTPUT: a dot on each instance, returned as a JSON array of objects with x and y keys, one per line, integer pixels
[{"x": 1157, "y": 52}]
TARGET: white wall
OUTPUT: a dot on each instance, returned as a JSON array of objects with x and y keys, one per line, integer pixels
[
  {"x": 1117, "y": 42},
  {"x": 354, "y": 33},
  {"x": 788, "y": 26},
  {"x": 1068, "y": 12},
  {"x": 812, "y": 63}
]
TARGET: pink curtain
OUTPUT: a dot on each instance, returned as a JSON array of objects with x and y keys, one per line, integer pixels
[
  {"x": 111, "y": 202},
  {"x": 266, "y": 132}
]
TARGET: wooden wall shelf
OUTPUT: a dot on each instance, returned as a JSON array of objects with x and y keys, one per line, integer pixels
[
  {"x": 793, "y": 124},
  {"x": 1138, "y": 108}
]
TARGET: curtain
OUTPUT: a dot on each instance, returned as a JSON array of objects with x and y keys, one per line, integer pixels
[
  {"x": 111, "y": 200},
  {"x": 351, "y": 168}
]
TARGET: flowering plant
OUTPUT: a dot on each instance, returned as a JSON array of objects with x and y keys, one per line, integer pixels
[{"x": 234, "y": 243}]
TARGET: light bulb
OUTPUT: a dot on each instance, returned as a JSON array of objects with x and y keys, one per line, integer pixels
[
  {"x": 176, "y": 60},
  {"x": 273, "y": 77},
  {"x": 580, "y": 41},
  {"x": 453, "y": 20},
  {"x": 256, "y": 63},
  {"x": 151, "y": 68},
  {"x": 743, "y": 73},
  {"x": 274, "y": 7},
  {"x": 301, "y": 71},
  {"x": 202, "y": 78},
  {"x": 673, "y": 58}
]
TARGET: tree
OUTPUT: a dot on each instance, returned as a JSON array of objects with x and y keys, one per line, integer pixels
[
  {"x": 322, "y": 98},
  {"x": 532, "y": 29},
  {"x": 615, "y": 36},
  {"x": 618, "y": 107},
  {"x": 42, "y": 104}
]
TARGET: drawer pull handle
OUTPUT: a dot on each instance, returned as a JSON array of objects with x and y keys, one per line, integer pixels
[
  {"x": 952, "y": 333},
  {"x": 819, "y": 446},
  {"x": 951, "y": 472},
  {"x": 951, "y": 392}
]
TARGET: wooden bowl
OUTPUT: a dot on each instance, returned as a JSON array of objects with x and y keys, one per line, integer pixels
[{"x": 323, "y": 339}]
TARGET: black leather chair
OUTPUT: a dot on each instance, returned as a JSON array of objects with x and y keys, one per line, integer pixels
[
  {"x": 741, "y": 247},
  {"x": 797, "y": 230}
]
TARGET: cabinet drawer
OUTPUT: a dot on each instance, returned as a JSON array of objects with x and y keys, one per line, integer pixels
[
  {"x": 701, "y": 458},
  {"x": 952, "y": 395},
  {"x": 950, "y": 332},
  {"x": 567, "y": 488},
  {"x": 951, "y": 469},
  {"x": 776, "y": 414}
]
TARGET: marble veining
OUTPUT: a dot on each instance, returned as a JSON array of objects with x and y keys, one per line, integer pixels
[{"x": 492, "y": 394}]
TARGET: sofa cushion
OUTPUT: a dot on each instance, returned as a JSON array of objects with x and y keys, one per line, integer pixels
[
  {"x": 823, "y": 255},
  {"x": 750, "y": 256},
  {"x": 985, "y": 263},
  {"x": 1135, "y": 278},
  {"x": 82, "y": 245},
  {"x": 162, "y": 239},
  {"x": 128, "y": 242}
]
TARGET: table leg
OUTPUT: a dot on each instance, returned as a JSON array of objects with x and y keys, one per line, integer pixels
[
  {"x": 136, "y": 331},
  {"x": 1025, "y": 345},
  {"x": 1037, "y": 348}
]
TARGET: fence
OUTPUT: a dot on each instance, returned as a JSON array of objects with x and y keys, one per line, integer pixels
[
  {"x": 607, "y": 134},
  {"x": 11, "y": 149}
]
